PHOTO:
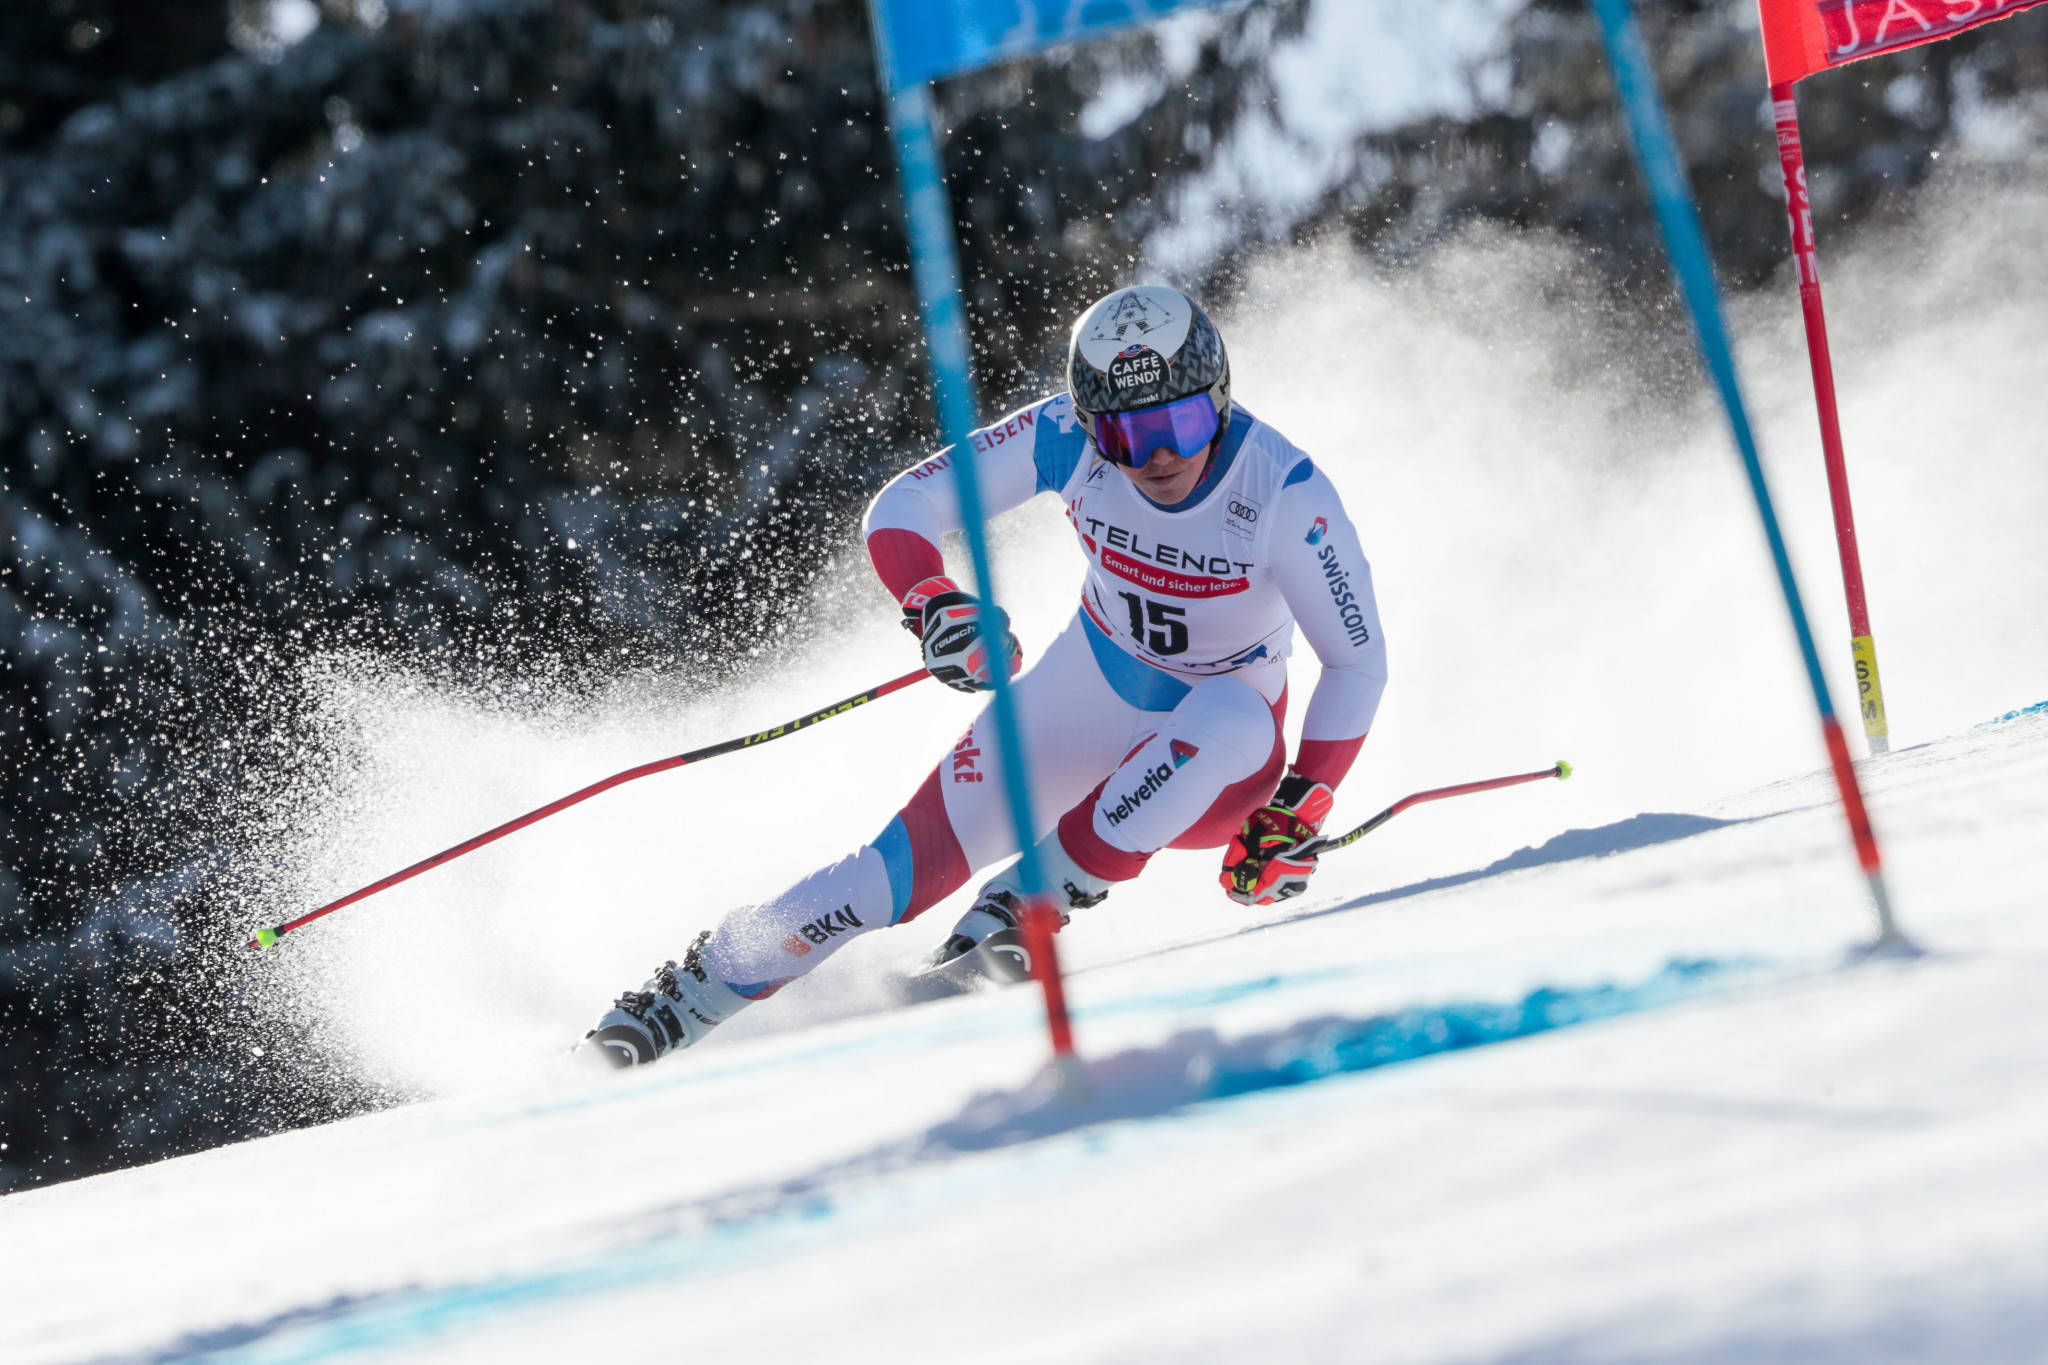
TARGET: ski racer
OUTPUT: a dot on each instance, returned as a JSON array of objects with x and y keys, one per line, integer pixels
[{"x": 1153, "y": 720}]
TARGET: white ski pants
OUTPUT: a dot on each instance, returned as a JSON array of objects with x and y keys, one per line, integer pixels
[{"x": 1124, "y": 759}]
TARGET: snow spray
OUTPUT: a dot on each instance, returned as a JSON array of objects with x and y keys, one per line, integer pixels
[{"x": 1564, "y": 562}]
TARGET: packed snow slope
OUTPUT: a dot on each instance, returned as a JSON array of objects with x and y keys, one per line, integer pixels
[
  {"x": 1624, "y": 1096},
  {"x": 1576, "y": 1072}
]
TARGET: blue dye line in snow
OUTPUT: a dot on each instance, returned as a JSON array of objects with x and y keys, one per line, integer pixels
[
  {"x": 1210, "y": 997},
  {"x": 2038, "y": 708},
  {"x": 1410, "y": 1034},
  {"x": 1184, "y": 1075},
  {"x": 1196, "y": 1066}
]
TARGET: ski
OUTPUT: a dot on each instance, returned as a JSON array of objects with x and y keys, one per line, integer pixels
[{"x": 1001, "y": 959}]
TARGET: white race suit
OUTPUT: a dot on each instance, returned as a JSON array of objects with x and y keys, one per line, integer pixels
[{"x": 1154, "y": 719}]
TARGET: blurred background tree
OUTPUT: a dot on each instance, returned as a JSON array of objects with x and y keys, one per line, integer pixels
[{"x": 57, "y": 56}]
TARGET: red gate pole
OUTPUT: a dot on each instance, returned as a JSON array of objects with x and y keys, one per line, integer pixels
[
  {"x": 1039, "y": 922},
  {"x": 1792, "y": 161}
]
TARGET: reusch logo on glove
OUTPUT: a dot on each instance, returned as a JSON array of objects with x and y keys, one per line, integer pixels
[
  {"x": 1123, "y": 809},
  {"x": 959, "y": 627}
]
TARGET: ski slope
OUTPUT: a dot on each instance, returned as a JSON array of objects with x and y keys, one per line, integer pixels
[
  {"x": 1624, "y": 1096},
  {"x": 1618, "y": 1096}
]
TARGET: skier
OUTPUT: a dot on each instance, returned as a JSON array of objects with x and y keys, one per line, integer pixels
[{"x": 1153, "y": 720}]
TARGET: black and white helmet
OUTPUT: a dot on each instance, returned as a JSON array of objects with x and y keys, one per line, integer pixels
[{"x": 1142, "y": 347}]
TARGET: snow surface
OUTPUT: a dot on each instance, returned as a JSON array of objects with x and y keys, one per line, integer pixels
[
  {"x": 1575, "y": 1072},
  {"x": 1751, "y": 1148}
]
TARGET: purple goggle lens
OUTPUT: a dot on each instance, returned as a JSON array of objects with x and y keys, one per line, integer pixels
[{"x": 1183, "y": 426}]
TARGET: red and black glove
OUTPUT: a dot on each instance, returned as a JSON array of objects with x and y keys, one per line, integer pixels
[
  {"x": 949, "y": 623},
  {"x": 1256, "y": 867}
]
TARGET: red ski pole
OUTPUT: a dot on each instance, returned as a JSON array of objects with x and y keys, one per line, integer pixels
[
  {"x": 265, "y": 937},
  {"x": 1316, "y": 847}
]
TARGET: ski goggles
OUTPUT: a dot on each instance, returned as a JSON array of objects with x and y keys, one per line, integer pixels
[{"x": 1185, "y": 426}]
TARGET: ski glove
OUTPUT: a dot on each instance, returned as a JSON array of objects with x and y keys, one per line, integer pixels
[
  {"x": 948, "y": 621},
  {"x": 1256, "y": 867}
]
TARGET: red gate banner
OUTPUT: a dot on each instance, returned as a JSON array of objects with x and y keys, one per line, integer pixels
[{"x": 1805, "y": 36}]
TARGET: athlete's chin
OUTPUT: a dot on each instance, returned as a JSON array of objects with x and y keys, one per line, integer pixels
[{"x": 1166, "y": 488}]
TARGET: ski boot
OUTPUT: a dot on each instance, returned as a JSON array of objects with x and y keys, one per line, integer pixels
[
  {"x": 991, "y": 930},
  {"x": 676, "y": 1008}
]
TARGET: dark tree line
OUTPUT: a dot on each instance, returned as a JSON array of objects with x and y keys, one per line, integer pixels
[
  {"x": 532, "y": 334},
  {"x": 512, "y": 336}
]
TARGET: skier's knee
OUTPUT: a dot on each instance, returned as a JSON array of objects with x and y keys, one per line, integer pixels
[{"x": 1234, "y": 715}]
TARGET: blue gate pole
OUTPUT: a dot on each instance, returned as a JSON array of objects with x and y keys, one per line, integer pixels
[
  {"x": 1685, "y": 242},
  {"x": 934, "y": 262},
  {"x": 935, "y": 267}
]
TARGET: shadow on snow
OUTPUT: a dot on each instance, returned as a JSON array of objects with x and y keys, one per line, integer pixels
[
  {"x": 1190, "y": 1069},
  {"x": 1638, "y": 831}
]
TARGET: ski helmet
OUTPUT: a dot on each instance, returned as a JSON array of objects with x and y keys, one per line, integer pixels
[{"x": 1138, "y": 361}]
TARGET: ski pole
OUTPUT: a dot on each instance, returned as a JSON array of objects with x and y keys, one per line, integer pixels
[
  {"x": 1316, "y": 847},
  {"x": 265, "y": 937}
]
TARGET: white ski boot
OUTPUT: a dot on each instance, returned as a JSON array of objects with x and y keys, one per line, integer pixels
[
  {"x": 992, "y": 923},
  {"x": 676, "y": 1008}
]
